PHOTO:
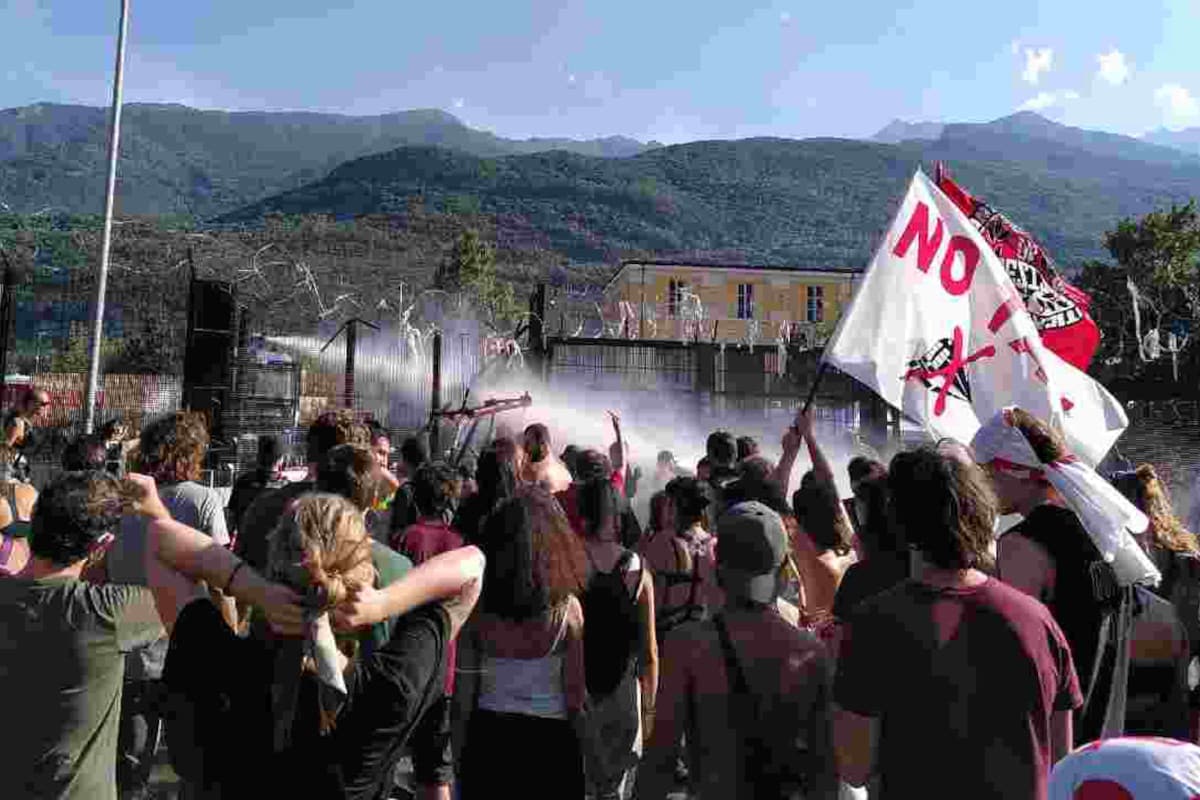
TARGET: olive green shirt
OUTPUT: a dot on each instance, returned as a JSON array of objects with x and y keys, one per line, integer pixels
[{"x": 62, "y": 646}]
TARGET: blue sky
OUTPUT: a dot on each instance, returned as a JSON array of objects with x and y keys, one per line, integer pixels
[{"x": 661, "y": 69}]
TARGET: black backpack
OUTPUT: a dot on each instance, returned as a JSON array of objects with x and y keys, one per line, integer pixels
[
  {"x": 611, "y": 630},
  {"x": 767, "y": 764}
]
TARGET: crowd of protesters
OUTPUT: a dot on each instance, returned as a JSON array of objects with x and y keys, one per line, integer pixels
[{"x": 541, "y": 621}]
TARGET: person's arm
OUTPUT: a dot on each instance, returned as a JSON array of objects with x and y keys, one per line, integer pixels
[
  {"x": 389, "y": 480},
  {"x": 820, "y": 753},
  {"x": 656, "y": 775},
  {"x": 821, "y": 467},
  {"x": 617, "y": 452},
  {"x": 213, "y": 523},
  {"x": 1024, "y": 564},
  {"x": 648, "y": 679},
  {"x": 791, "y": 449},
  {"x": 453, "y": 578},
  {"x": 574, "y": 680},
  {"x": 197, "y": 556},
  {"x": 855, "y": 741},
  {"x": 860, "y": 695}
]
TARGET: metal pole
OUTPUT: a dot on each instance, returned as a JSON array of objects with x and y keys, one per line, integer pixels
[
  {"x": 435, "y": 395},
  {"x": 6, "y": 315},
  {"x": 351, "y": 346},
  {"x": 114, "y": 138}
]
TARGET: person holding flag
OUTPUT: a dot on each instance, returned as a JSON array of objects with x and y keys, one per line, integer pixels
[
  {"x": 940, "y": 330},
  {"x": 1074, "y": 551}
]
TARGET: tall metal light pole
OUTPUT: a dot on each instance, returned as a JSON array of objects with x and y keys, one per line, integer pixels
[{"x": 114, "y": 138}]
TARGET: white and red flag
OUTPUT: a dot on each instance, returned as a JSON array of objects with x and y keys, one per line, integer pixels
[
  {"x": 938, "y": 330},
  {"x": 1059, "y": 310}
]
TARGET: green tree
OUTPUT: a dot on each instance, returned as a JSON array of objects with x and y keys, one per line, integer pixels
[
  {"x": 1161, "y": 253},
  {"x": 470, "y": 269}
]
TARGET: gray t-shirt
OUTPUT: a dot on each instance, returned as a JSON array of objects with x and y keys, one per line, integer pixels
[
  {"x": 62, "y": 646},
  {"x": 190, "y": 503}
]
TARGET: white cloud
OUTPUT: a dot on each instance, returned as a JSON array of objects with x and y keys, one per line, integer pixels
[
  {"x": 1036, "y": 62},
  {"x": 1177, "y": 104},
  {"x": 1044, "y": 100},
  {"x": 458, "y": 102},
  {"x": 1113, "y": 67}
]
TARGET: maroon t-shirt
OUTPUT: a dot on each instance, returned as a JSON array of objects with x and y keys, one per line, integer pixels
[{"x": 963, "y": 682}]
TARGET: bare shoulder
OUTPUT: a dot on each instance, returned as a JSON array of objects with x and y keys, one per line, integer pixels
[{"x": 1018, "y": 544}]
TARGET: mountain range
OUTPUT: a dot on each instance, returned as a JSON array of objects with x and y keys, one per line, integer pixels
[
  {"x": 898, "y": 130},
  {"x": 180, "y": 160},
  {"x": 805, "y": 202}
]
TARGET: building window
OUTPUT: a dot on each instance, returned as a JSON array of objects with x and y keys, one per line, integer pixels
[
  {"x": 745, "y": 303},
  {"x": 816, "y": 304},
  {"x": 675, "y": 292}
]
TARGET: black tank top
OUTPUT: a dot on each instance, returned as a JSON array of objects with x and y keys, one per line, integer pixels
[
  {"x": 1081, "y": 599},
  {"x": 1074, "y": 604}
]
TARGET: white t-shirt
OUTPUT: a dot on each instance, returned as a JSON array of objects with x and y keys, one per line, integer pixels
[{"x": 1134, "y": 767}]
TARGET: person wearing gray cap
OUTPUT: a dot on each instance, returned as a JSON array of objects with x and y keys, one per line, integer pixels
[{"x": 747, "y": 690}]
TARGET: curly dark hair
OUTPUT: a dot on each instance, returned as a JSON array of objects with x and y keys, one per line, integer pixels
[
  {"x": 414, "y": 452},
  {"x": 86, "y": 451},
  {"x": 945, "y": 508},
  {"x": 72, "y": 512},
  {"x": 349, "y": 470},
  {"x": 747, "y": 447},
  {"x": 436, "y": 488},
  {"x": 721, "y": 448},
  {"x": 689, "y": 499},
  {"x": 171, "y": 449},
  {"x": 331, "y": 428}
]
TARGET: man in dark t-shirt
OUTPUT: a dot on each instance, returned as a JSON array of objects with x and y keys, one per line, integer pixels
[
  {"x": 327, "y": 431},
  {"x": 952, "y": 684}
]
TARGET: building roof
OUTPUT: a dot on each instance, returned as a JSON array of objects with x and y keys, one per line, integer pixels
[
  {"x": 655, "y": 262},
  {"x": 728, "y": 265}
]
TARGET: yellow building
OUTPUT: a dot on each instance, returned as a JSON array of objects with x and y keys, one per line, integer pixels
[{"x": 730, "y": 302}]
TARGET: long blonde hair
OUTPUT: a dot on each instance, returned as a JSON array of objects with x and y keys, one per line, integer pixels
[
  {"x": 321, "y": 548},
  {"x": 1166, "y": 531},
  {"x": 322, "y": 544}
]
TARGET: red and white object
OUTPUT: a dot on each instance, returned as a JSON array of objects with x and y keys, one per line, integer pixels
[
  {"x": 938, "y": 330},
  {"x": 1128, "y": 768},
  {"x": 1107, "y": 516},
  {"x": 1059, "y": 310}
]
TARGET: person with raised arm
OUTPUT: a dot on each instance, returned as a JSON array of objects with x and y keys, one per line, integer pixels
[
  {"x": 66, "y": 636},
  {"x": 316, "y": 716},
  {"x": 822, "y": 548}
]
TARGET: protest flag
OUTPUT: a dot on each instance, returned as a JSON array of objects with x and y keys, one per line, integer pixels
[
  {"x": 1059, "y": 310},
  {"x": 938, "y": 330}
]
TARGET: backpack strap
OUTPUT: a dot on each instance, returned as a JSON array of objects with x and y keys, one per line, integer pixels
[{"x": 733, "y": 667}]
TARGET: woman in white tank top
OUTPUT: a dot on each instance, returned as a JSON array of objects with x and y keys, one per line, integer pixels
[{"x": 520, "y": 683}]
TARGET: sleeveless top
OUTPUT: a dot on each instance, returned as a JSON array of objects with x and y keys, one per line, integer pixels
[
  {"x": 18, "y": 528},
  {"x": 530, "y": 686}
]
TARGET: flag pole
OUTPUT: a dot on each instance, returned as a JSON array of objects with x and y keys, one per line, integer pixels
[
  {"x": 114, "y": 136},
  {"x": 812, "y": 390}
]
